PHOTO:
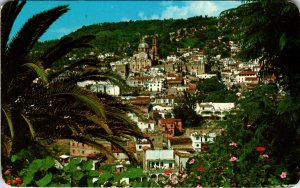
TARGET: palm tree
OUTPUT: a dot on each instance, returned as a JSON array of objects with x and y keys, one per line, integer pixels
[{"x": 40, "y": 101}]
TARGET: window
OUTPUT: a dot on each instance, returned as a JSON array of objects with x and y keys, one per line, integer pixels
[
  {"x": 82, "y": 152},
  {"x": 197, "y": 137},
  {"x": 73, "y": 151},
  {"x": 197, "y": 145},
  {"x": 170, "y": 165},
  {"x": 140, "y": 147}
]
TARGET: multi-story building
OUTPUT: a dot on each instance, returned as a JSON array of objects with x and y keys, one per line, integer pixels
[
  {"x": 169, "y": 126},
  {"x": 78, "y": 149}
]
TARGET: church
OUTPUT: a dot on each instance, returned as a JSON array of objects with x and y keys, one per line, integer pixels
[{"x": 144, "y": 56}]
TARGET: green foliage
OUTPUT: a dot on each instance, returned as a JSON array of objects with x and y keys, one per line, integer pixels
[
  {"x": 214, "y": 90},
  {"x": 44, "y": 172},
  {"x": 123, "y": 38},
  {"x": 256, "y": 124}
]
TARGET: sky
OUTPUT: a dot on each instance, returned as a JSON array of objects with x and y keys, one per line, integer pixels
[{"x": 91, "y": 12}]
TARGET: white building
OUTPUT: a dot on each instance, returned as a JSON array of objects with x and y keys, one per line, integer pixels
[
  {"x": 101, "y": 86},
  {"x": 181, "y": 158},
  {"x": 201, "y": 137},
  {"x": 210, "y": 109},
  {"x": 155, "y": 84},
  {"x": 241, "y": 77},
  {"x": 141, "y": 144},
  {"x": 206, "y": 76},
  {"x": 159, "y": 159}
]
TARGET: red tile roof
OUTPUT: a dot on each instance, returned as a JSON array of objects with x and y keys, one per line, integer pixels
[
  {"x": 244, "y": 73},
  {"x": 169, "y": 120}
]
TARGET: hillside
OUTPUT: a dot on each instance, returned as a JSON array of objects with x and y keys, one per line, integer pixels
[{"x": 122, "y": 38}]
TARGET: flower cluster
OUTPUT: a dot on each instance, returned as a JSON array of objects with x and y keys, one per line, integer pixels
[
  {"x": 11, "y": 177},
  {"x": 233, "y": 144}
]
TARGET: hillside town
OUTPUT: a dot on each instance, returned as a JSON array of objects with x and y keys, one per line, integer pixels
[
  {"x": 150, "y": 94},
  {"x": 168, "y": 143}
]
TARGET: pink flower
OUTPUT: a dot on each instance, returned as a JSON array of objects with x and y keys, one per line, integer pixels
[
  {"x": 222, "y": 130},
  {"x": 283, "y": 175},
  {"x": 185, "y": 175},
  {"x": 192, "y": 173},
  {"x": 168, "y": 186},
  {"x": 199, "y": 186},
  {"x": 233, "y": 144},
  {"x": 192, "y": 161},
  {"x": 249, "y": 125},
  {"x": 198, "y": 177},
  {"x": 174, "y": 181},
  {"x": 232, "y": 159},
  {"x": 265, "y": 156}
]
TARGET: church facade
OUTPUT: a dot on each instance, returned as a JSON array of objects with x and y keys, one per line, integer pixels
[{"x": 144, "y": 56}]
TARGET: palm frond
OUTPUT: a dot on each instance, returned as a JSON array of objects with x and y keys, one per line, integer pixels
[
  {"x": 63, "y": 47},
  {"x": 39, "y": 71},
  {"x": 72, "y": 66},
  {"x": 30, "y": 126},
  {"x": 91, "y": 102},
  {"x": 100, "y": 122},
  {"x": 32, "y": 30},
  {"x": 9, "y": 13},
  {"x": 10, "y": 124}
]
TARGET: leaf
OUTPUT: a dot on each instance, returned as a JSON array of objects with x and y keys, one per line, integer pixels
[
  {"x": 48, "y": 162},
  {"x": 104, "y": 177},
  {"x": 32, "y": 132},
  {"x": 27, "y": 179},
  {"x": 92, "y": 103},
  {"x": 45, "y": 180},
  {"x": 39, "y": 71},
  {"x": 87, "y": 165},
  {"x": 35, "y": 165},
  {"x": 94, "y": 173},
  {"x": 14, "y": 158},
  {"x": 77, "y": 175},
  {"x": 9, "y": 122},
  {"x": 100, "y": 122},
  {"x": 282, "y": 41}
]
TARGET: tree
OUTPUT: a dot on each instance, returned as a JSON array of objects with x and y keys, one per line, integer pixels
[
  {"x": 269, "y": 30},
  {"x": 185, "y": 110},
  {"x": 48, "y": 103}
]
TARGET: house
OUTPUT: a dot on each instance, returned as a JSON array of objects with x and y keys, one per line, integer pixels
[
  {"x": 141, "y": 144},
  {"x": 175, "y": 82},
  {"x": 146, "y": 125},
  {"x": 78, "y": 149},
  {"x": 154, "y": 85},
  {"x": 214, "y": 110},
  {"x": 202, "y": 136},
  {"x": 180, "y": 143},
  {"x": 158, "y": 159},
  {"x": 169, "y": 126},
  {"x": 165, "y": 100},
  {"x": 119, "y": 154},
  {"x": 241, "y": 77},
  {"x": 181, "y": 158},
  {"x": 101, "y": 86},
  {"x": 163, "y": 111},
  {"x": 141, "y": 102}
]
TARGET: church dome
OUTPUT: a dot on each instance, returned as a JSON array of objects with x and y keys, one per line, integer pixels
[{"x": 143, "y": 45}]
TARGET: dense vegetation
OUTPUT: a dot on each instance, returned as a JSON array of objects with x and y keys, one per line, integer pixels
[{"x": 123, "y": 38}]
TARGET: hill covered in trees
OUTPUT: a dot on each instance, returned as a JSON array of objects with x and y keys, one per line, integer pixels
[{"x": 122, "y": 38}]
